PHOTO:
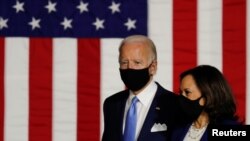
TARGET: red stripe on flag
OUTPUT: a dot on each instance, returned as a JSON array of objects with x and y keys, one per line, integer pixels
[
  {"x": 184, "y": 37},
  {"x": 234, "y": 49},
  {"x": 40, "y": 90},
  {"x": 2, "y": 50},
  {"x": 88, "y": 90}
]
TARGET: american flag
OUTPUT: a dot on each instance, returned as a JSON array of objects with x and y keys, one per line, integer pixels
[{"x": 59, "y": 58}]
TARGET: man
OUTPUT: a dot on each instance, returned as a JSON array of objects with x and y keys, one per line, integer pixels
[{"x": 154, "y": 106}]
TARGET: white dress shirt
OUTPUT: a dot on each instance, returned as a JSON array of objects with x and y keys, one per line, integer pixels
[{"x": 145, "y": 99}]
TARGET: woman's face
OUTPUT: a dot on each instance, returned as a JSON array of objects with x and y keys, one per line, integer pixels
[{"x": 189, "y": 89}]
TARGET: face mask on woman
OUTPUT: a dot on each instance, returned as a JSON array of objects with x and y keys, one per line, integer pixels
[{"x": 191, "y": 108}]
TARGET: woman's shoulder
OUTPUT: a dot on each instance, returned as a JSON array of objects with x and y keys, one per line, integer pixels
[{"x": 229, "y": 121}]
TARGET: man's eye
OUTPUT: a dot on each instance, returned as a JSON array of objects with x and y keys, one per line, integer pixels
[
  {"x": 137, "y": 63},
  {"x": 123, "y": 63}
]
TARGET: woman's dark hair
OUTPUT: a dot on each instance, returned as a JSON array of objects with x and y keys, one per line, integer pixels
[{"x": 220, "y": 102}]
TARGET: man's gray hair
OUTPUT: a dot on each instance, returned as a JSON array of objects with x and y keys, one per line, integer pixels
[{"x": 140, "y": 38}]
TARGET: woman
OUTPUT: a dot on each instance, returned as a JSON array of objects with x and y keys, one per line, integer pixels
[{"x": 206, "y": 99}]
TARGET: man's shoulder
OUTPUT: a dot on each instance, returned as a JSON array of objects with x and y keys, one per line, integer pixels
[
  {"x": 117, "y": 96},
  {"x": 166, "y": 98},
  {"x": 164, "y": 92}
]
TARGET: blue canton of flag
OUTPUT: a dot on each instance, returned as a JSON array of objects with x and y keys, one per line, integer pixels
[{"x": 78, "y": 18}]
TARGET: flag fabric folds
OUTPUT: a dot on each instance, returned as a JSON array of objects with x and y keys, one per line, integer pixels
[{"x": 59, "y": 59}]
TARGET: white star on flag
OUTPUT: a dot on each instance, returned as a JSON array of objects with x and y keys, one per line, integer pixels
[
  {"x": 130, "y": 24},
  {"x": 83, "y": 7},
  {"x": 51, "y": 7},
  {"x": 3, "y": 23},
  {"x": 98, "y": 24},
  {"x": 19, "y": 6},
  {"x": 114, "y": 7},
  {"x": 35, "y": 23},
  {"x": 66, "y": 23}
]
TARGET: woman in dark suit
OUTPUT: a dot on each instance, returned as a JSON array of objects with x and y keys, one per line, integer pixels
[{"x": 206, "y": 99}]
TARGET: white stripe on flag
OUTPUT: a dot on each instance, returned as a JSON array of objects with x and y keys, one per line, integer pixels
[
  {"x": 248, "y": 66},
  {"x": 64, "y": 89},
  {"x": 160, "y": 30},
  {"x": 210, "y": 33},
  {"x": 16, "y": 89},
  {"x": 110, "y": 77}
]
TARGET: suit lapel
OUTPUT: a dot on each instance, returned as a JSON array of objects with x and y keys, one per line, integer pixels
[
  {"x": 151, "y": 117},
  {"x": 120, "y": 111}
]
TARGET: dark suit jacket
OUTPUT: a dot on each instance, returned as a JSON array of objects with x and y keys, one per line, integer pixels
[
  {"x": 164, "y": 113},
  {"x": 179, "y": 133}
]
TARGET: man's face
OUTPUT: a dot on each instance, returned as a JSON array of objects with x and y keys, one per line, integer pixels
[{"x": 134, "y": 56}]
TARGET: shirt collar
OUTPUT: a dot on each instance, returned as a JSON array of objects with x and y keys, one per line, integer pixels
[{"x": 146, "y": 96}]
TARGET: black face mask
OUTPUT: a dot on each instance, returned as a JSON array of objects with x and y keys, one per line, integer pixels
[
  {"x": 190, "y": 108},
  {"x": 135, "y": 79}
]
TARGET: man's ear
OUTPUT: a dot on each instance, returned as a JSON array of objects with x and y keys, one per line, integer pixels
[{"x": 153, "y": 68}]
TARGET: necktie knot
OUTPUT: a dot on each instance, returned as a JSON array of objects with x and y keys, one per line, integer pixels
[{"x": 134, "y": 101}]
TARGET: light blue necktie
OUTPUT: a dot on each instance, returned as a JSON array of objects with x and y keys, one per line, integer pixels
[{"x": 130, "y": 126}]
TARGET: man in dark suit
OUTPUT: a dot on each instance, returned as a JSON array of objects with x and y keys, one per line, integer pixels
[{"x": 155, "y": 106}]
